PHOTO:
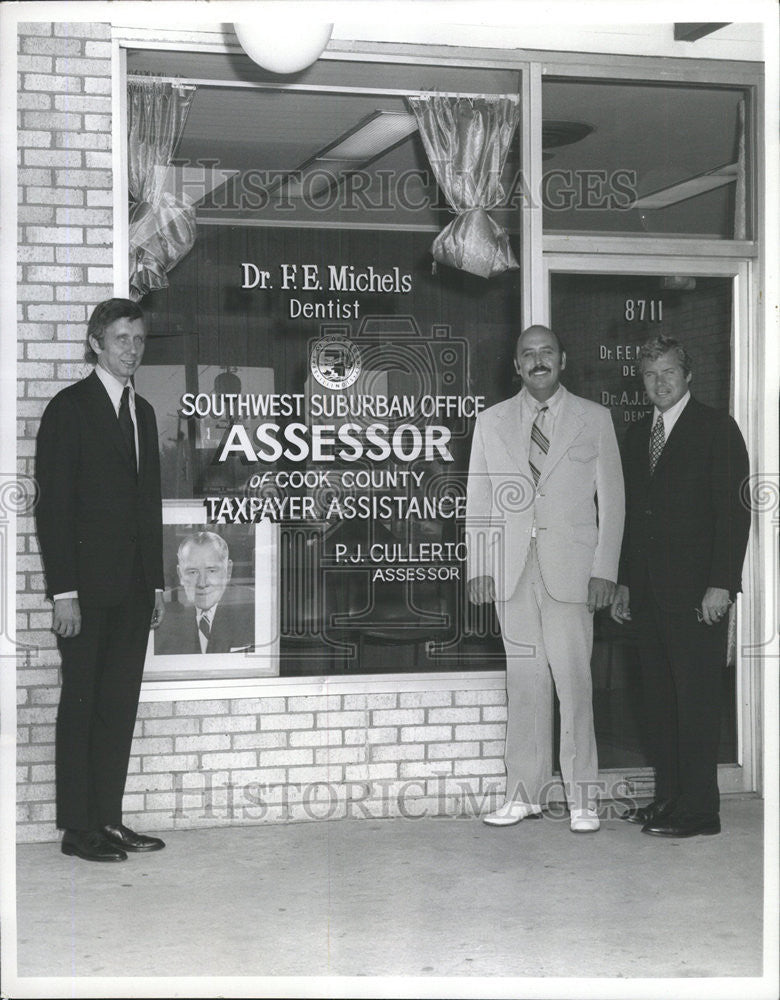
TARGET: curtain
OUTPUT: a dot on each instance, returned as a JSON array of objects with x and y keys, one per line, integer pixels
[
  {"x": 162, "y": 223},
  {"x": 467, "y": 141}
]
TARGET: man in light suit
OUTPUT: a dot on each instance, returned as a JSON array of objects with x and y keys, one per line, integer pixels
[
  {"x": 680, "y": 570},
  {"x": 209, "y": 624},
  {"x": 100, "y": 533},
  {"x": 544, "y": 521}
]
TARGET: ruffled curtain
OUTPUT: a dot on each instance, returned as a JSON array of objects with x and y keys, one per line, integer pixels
[
  {"x": 467, "y": 141},
  {"x": 162, "y": 223}
]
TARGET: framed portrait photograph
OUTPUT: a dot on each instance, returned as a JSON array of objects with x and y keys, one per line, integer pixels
[{"x": 221, "y": 609}]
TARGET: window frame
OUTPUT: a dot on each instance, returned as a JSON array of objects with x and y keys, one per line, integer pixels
[{"x": 539, "y": 251}]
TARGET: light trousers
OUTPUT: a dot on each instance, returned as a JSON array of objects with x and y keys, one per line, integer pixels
[{"x": 547, "y": 641}]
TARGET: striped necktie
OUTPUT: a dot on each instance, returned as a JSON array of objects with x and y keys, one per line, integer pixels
[
  {"x": 204, "y": 628},
  {"x": 540, "y": 443},
  {"x": 657, "y": 441}
]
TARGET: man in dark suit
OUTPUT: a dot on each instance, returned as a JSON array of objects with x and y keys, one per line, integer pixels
[
  {"x": 680, "y": 570},
  {"x": 209, "y": 624},
  {"x": 100, "y": 532}
]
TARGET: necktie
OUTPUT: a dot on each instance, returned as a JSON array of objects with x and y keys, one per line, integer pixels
[
  {"x": 204, "y": 628},
  {"x": 540, "y": 443},
  {"x": 657, "y": 441},
  {"x": 126, "y": 425}
]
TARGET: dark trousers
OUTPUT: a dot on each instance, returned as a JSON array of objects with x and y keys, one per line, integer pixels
[
  {"x": 682, "y": 661},
  {"x": 101, "y": 679}
]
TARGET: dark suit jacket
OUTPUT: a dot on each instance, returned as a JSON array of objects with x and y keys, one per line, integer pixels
[
  {"x": 93, "y": 512},
  {"x": 686, "y": 526},
  {"x": 232, "y": 629}
]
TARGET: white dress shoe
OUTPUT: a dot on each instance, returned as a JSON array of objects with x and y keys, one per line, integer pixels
[
  {"x": 512, "y": 812},
  {"x": 584, "y": 821}
]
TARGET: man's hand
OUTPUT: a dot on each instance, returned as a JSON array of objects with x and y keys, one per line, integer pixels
[
  {"x": 621, "y": 605},
  {"x": 159, "y": 611},
  {"x": 714, "y": 605},
  {"x": 482, "y": 590},
  {"x": 600, "y": 593},
  {"x": 67, "y": 617}
]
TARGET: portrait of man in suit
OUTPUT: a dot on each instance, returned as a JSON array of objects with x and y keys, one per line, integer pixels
[
  {"x": 544, "y": 522},
  {"x": 99, "y": 523},
  {"x": 680, "y": 571},
  {"x": 208, "y": 621}
]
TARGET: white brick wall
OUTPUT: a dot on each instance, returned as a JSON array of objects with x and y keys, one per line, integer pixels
[
  {"x": 215, "y": 761},
  {"x": 252, "y": 760},
  {"x": 60, "y": 128}
]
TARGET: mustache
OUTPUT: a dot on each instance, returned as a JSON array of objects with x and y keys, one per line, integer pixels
[{"x": 539, "y": 369}]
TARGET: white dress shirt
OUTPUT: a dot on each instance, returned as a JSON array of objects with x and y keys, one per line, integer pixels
[
  {"x": 672, "y": 415},
  {"x": 115, "y": 388},
  {"x": 529, "y": 410}
]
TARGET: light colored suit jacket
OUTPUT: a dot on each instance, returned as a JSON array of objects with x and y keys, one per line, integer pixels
[{"x": 578, "y": 508}]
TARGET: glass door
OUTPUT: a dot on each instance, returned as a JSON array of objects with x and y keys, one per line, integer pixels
[{"x": 603, "y": 316}]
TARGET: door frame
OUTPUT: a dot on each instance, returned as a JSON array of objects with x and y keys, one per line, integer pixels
[{"x": 744, "y": 775}]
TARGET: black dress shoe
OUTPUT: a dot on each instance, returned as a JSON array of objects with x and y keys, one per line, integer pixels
[
  {"x": 650, "y": 813},
  {"x": 672, "y": 826},
  {"x": 90, "y": 845},
  {"x": 125, "y": 838}
]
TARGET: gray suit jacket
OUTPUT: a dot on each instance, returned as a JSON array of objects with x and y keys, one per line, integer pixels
[{"x": 578, "y": 507}]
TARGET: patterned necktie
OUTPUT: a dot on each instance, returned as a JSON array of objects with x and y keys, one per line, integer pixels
[
  {"x": 657, "y": 441},
  {"x": 126, "y": 425},
  {"x": 204, "y": 628},
  {"x": 540, "y": 443}
]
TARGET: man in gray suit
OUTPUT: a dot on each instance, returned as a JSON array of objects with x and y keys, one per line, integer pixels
[{"x": 544, "y": 523}]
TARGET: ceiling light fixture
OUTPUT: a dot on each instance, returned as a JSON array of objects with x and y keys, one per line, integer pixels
[
  {"x": 677, "y": 283},
  {"x": 282, "y": 43},
  {"x": 708, "y": 181},
  {"x": 376, "y": 135},
  {"x": 562, "y": 133},
  {"x": 370, "y": 138}
]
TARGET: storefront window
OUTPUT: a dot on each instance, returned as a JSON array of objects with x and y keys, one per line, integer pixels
[
  {"x": 311, "y": 368},
  {"x": 645, "y": 159},
  {"x": 290, "y": 272}
]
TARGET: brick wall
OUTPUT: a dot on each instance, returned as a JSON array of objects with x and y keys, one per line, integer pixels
[
  {"x": 65, "y": 263},
  {"x": 249, "y": 760},
  {"x": 193, "y": 762}
]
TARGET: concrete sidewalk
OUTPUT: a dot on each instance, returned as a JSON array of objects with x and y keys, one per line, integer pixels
[{"x": 429, "y": 897}]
